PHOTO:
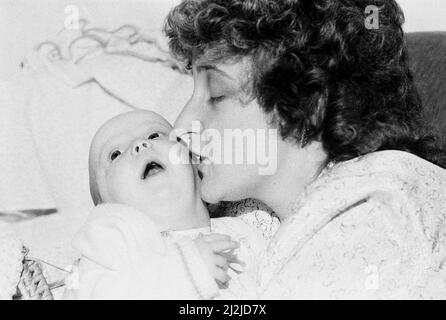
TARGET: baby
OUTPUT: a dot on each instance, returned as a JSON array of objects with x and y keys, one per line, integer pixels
[{"x": 149, "y": 234}]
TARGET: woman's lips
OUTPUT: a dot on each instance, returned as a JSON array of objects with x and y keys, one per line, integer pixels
[
  {"x": 195, "y": 156},
  {"x": 203, "y": 168},
  {"x": 192, "y": 142},
  {"x": 200, "y": 174}
]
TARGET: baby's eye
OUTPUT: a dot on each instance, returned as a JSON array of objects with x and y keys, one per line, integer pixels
[
  {"x": 115, "y": 154},
  {"x": 154, "y": 135}
]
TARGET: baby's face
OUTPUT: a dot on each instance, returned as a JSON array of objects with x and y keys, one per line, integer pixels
[{"x": 133, "y": 162}]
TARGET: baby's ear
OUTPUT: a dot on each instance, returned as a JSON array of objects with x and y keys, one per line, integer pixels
[
  {"x": 96, "y": 197},
  {"x": 94, "y": 192}
]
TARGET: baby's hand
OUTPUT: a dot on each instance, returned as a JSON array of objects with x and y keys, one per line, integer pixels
[{"x": 212, "y": 248}]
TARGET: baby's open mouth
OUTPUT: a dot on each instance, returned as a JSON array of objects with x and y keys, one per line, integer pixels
[{"x": 151, "y": 169}]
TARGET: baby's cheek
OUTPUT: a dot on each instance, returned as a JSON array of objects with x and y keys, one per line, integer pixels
[{"x": 118, "y": 184}]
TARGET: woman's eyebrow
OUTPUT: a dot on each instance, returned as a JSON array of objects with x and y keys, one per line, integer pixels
[{"x": 210, "y": 67}]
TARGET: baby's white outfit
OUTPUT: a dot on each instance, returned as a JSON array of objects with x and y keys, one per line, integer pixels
[{"x": 126, "y": 256}]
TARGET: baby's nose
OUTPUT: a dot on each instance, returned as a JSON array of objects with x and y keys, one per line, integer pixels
[{"x": 140, "y": 146}]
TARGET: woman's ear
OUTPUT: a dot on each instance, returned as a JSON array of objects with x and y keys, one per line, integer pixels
[
  {"x": 318, "y": 115},
  {"x": 316, "y": 120}
]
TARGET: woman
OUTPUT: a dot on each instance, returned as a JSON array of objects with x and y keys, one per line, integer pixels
[{"x": 359, "y": 187}]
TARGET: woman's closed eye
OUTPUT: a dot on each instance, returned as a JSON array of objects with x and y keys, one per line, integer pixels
[
  {"x": 115, "y": 154},
  {"x": 216, "y": 99}
]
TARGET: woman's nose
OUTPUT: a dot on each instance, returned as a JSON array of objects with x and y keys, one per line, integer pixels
[
  {"x": 140, "y": 146},
  {"x": 191, "y": 114},
  {"x": 188, "y": 125}
]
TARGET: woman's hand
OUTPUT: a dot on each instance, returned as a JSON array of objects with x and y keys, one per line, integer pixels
[{"x": 216, "y": 251}]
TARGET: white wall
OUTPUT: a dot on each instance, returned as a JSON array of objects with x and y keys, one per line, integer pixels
[
  {"x": 24, "y": 23},
  {"x": 424, "y": 15}
]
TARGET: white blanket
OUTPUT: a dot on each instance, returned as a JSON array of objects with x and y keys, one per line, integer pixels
[{"x": 126, "y": 256}]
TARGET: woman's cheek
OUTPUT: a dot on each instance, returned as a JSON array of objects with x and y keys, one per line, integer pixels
[{"x": 222, "y": 183}]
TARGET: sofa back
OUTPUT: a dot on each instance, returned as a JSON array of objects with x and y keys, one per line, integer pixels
[{"x": 427, "y": 58}]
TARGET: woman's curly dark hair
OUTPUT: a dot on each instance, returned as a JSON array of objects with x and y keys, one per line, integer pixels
[{"x": 317, "y": 69}]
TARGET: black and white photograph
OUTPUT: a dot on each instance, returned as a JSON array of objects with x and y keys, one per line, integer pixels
[{"x": 243, "y": 152}]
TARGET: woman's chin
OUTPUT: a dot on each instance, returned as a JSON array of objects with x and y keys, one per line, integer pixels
[{"x": 209, "y": 193}]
